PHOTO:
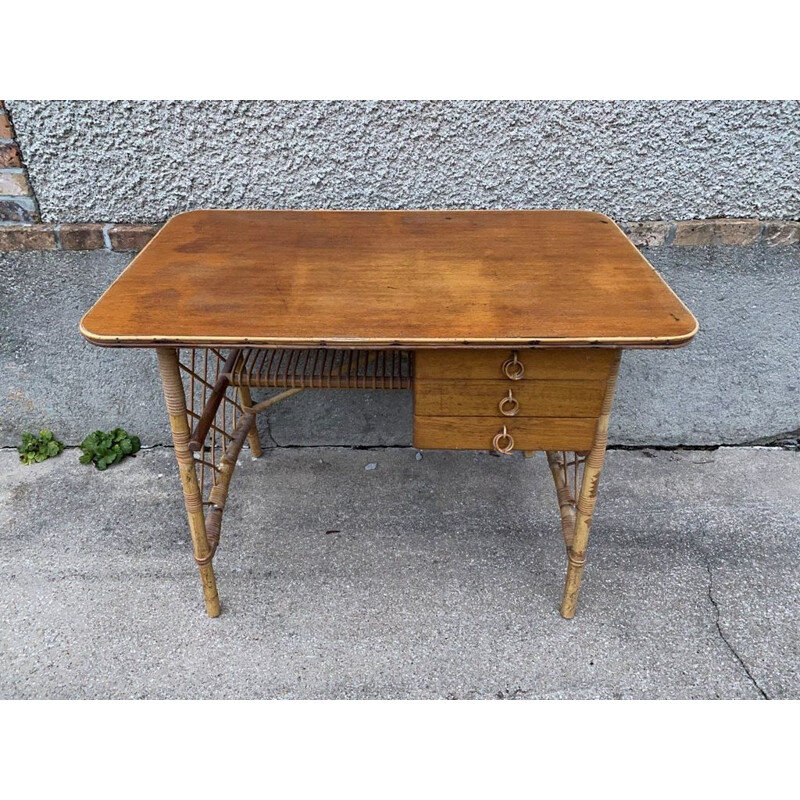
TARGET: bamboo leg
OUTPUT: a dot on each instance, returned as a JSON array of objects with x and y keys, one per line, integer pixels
[
  {"x": 566, "y": 502},
  {"x": 179, "y": 423},
  {"x": 576, "y": 554},
  {"x": 528, "y": 453},
  {"x": 252, "y": 438}
]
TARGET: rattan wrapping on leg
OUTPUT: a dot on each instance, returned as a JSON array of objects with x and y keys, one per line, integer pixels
[
  {"x": 246, "y": 402},
  {"x": 582, "y": 507},
  {"x": 189, "y": 378},
  {"x": 179, "y": 423},
  {"x": 220, "y": 416},
  {"x": 566, "y": 476},
  {"x": 201, "y": 369}
]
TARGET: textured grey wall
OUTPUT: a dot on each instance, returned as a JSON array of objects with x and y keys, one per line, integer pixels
[
  {"x": 738, "y": 381},
  {"x": 144, "y": 161}
]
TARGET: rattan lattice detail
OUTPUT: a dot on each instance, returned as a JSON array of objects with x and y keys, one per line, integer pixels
[
  {"x": 201, "y": 370},
  {"x": 567, "y": 469},
  {"x": 324, "y": 369}
]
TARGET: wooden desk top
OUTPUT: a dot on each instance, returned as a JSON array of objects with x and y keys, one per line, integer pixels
[{"x": 390, "y": 279}]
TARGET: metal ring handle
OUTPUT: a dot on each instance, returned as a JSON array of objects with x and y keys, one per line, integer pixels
[
  {"x": 509, "y": 406},
  {"x": 513, "y": 369},
  {"x": 506, "y": 447}
]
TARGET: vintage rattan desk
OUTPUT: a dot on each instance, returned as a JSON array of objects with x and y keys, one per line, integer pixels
[{"x": 508, "y": 325}]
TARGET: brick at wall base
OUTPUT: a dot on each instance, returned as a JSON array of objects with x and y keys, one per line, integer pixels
[
  {"x": 648, "y": 233},
  {"x": 718, "y": 232},
  {"x": 27, "y": 237},
  {"x": 17, "y": 209},
  {"x": 84, "y": 236},
  {"x": 131, "y": 237},
  {"x": 654, "y": 233},
  {"x": 9, "y": 155},
  {"x": 81, "y": 237},
  {"x": 6, "y": 131},
  {"x": 781, "y": 234}
]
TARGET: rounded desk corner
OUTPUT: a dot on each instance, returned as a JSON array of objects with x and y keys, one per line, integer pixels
[
  {"x": 683, "y": 339},
  {"x": 190, "y": 213},
  {"x": 597, "y": 215},
  {"x": 91, "y": 337}
]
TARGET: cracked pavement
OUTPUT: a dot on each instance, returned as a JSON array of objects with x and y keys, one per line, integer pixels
[
  {"x": 724, "y": 637},
  {"x": 442, "y": 579}
]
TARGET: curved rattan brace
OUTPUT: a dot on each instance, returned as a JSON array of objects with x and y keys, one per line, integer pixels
[
  {"x": 219, "y": 492},
  {"x": 264, "y": 405},
  {"x": 206, "y": 562},
  {"x": 218, "y": 495},
  {"x": 201, "y": 429},
  {"x": 213, "y": 531},
  {"x": 566, "y": 501}
]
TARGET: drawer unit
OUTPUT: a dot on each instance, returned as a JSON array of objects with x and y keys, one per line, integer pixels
[
  {"x": 507, "y": 364},
  {"x": 508, "y": 399},
  {"x": 526, "y": 433},
  {"x": 540, "y": 398}
]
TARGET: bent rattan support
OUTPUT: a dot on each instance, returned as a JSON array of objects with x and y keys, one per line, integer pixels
[
  {"x": 252, "y": 439},
  {"x": 219, "y": 491},
  {"x": 218, "y": 495},
  {"x": 207, "y": 472},
  {"x": 175, "y": 399},
  {"x": 576, "y": 512},
  {"x": 271, "y": 401},
  {"x": 212, "y": 405},
  {"x": 559, "y": 467}
]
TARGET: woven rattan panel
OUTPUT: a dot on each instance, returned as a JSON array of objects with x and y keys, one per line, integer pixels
[{"x": 324, "y": 369}]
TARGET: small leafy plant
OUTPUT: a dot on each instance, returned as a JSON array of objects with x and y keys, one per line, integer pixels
[
  {"x": 38, "y": 448},
  {"x": 103, "y": 449}
]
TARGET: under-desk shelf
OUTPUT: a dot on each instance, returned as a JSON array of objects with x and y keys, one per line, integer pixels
[{"x": 323, "y": 369}]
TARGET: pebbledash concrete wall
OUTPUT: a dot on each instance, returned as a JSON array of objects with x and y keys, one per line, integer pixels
[
  {"x": 144, "y": 161},
  {"x": 709, "y": 190}
]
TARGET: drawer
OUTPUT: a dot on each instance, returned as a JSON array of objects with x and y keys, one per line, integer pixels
[
  {"x": 529, "y": 433},
  {"x": 527, "y": 398},
  {"x": 561, "y": 364}
]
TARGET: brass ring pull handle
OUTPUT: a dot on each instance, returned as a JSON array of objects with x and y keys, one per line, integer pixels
[
  {"x": 514, "y": 369},
  {"x": 509, "y": 406},
  {"x": 503, "y": 442}
]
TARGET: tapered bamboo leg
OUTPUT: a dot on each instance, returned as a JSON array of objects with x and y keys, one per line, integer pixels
[
  {"x": 179, "y": 423},
  {"x": 252, "y": 438},
  {"x": 576, "y": 554},
  {"x": 566, "y": 503}
]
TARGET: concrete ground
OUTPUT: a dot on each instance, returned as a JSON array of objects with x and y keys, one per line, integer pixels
[{"x": 431, "y": 578}]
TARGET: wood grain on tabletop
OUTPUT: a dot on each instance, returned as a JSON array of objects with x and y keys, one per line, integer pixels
[{"x": 390, "y": 278}]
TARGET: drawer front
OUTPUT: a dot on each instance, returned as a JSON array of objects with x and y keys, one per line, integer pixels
[
  {"x": 529, "y": 433},
  {"x": 501, "y": 364},
  {"x": 537, "y": 398}
]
